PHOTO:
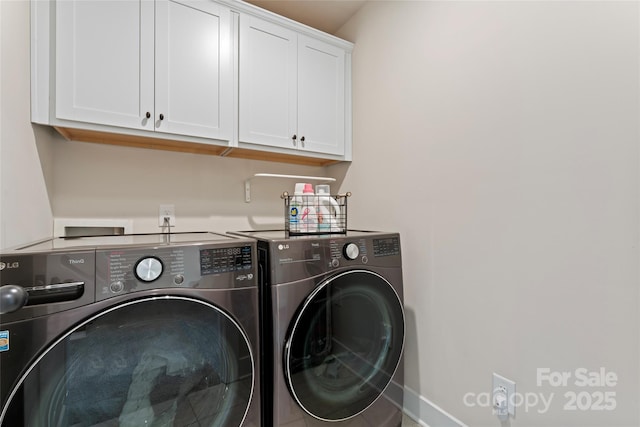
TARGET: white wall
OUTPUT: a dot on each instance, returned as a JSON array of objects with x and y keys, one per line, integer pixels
[
  {"x": 25, "y": 211},
  {"x": 501, "y": 140},
  {"x": 102, "y": 181}
]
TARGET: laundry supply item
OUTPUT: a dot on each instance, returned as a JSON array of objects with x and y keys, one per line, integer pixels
[
  {"x": 308, "y": 221},
  {"x": 328, "y": 209},
  {"x": 294, "y": 207}
]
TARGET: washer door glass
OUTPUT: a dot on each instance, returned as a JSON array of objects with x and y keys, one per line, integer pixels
[
  {"x": 344, "y": 345},
  {"x": 168, "y": 361}
]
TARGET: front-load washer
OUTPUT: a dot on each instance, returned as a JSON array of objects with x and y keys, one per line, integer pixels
[
  {"x": 332, "y": 328},
  {"x": 130, "y": 331}
]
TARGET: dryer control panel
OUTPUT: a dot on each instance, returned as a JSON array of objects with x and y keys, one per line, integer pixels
[
  {"x": 348, "y": 250},
  {"x": 388, "y": 246},
  {"x": 309, "y": 256}
]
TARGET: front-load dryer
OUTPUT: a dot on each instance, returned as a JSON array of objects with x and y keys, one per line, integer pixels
[
  {"x": 332, "y": 329},
  {"x": 130, "y": 331}
]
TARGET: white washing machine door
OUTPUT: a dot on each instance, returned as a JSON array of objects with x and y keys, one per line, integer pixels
[
  {"x": 158, "y": 361},
  {"x": 344, "y": 345}
]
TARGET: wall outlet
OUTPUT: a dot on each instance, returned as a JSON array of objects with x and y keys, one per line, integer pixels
[
  {"x": 167, "y": 211},
  {"x": 503, "y": 393}
]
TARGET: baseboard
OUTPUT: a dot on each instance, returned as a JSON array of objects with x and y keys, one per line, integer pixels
[{"x": 426, "y": 413}]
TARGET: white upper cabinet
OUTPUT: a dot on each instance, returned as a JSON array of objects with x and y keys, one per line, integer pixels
[
  {"x": 163, "y": 65},
  {"x": 104, "y": 62},
  {"x": 292, "y": 89},
  {"x": 321, "y": 96},
  {"x": 194, "y": 81},
  {"x": 220, "y": 77},
  {"x": 268, "y": 70}
]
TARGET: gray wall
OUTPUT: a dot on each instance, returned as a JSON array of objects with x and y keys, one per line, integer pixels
[
  {"x": 25, "y": 211},
  {"x": 501, "y": 140}
]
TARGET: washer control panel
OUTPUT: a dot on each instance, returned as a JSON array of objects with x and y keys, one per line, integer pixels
[
  {"x": 225, "y": 260},
  {"x": 122, "y": 271}
]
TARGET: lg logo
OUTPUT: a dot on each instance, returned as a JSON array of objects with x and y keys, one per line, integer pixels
[{"x": 8, "y": 265}]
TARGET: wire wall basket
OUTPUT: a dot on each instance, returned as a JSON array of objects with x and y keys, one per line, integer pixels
[{"x": 315, "y": 214}]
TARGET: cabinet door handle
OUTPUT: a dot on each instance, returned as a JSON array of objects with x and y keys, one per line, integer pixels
[
  {"x": 302, "y": 140},
  {"x": 148, "y": 115},
  {"x": 161, "y": 116},
  {"x": 294, "y": 137}
]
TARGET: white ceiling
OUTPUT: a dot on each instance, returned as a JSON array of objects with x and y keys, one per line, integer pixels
[{"x": 325, "y": 15}]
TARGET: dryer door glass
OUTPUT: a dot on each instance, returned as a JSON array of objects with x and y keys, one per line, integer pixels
[
  {"x": 169, "y": 361},
  {"x": 344, "y": 345}
]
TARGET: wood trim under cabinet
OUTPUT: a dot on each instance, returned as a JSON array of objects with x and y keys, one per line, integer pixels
[
  {"x": 93, "y": 136},
  {"x": 244, "y": 153},
  {"x": 84, "y": 135}
]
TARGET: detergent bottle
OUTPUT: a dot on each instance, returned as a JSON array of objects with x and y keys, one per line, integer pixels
[
  {"x": 295, "y": 205},
  {"x": 328, "y": 209},
  {"x": 308, "y": 215}
]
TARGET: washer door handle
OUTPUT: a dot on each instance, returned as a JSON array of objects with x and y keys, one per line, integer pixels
[{"x": 56, "y": 292}]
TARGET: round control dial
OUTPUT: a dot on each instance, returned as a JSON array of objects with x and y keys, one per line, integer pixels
[
  {"x": 148, "y": 269},
  {"x": 351, "y": 251}
]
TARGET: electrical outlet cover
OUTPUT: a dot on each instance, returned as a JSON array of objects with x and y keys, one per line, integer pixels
[
  {"x": 502, "y": 384},
  {"x": 167, "y": 211}
]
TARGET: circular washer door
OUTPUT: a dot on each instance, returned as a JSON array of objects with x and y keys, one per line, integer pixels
[
  {"x": 152, "y": 362},
  {"x": 344, "y": 345}
]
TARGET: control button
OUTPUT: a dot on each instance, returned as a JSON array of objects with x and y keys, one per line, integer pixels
[
  {"x": 365, "y": 259},
  {"x": 148, "y": 269},
  {"x": 335, "y": 262},
  {"x": 117, "y": 287},
  {"x": 179, "y": 279},
  {"x": 351, "y": 251}
]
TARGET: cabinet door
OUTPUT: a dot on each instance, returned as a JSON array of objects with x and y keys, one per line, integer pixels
[
  {"x": 321, "y": 96},
  {"x": 267, "y": 80},
  {"x": 104, "y": 62},
  {"x": 193, "y": 69}
]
